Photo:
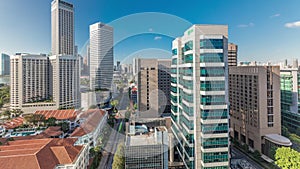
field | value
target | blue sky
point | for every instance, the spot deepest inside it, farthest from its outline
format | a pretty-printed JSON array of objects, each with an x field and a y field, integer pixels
[{"x": 264, "y": 30}]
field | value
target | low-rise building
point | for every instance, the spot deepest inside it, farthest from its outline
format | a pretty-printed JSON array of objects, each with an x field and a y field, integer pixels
[
  {"x": 93, "y": 121},
  {"x": 68, "y": 116},
  {"x": 44, "y": 154},
  {"x": 148, "y": 150}
]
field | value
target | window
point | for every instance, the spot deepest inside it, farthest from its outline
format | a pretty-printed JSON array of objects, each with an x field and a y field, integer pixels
[
  {"x": 212, "y": 71},
  {"x": 211, "y": 57},
  {"x": 174, "y": 52},
  {"x": 211, "y": 43},
  {"x": 188, "y": 46}
]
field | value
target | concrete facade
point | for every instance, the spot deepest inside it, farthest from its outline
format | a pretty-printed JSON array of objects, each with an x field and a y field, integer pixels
[
  {"x": 254, "y": 104},
  {"x": 232, "y": 54},
  {"x": 153, "y": 81},
  {"x": 101, "y": 57},
  {"x": 62, "y": 28}
]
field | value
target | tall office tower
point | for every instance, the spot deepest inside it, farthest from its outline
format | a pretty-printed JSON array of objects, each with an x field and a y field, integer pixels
[
  {"x": 232, "y": 54},
  {"x": 199, "y": 96},
  {"x": 65, "y": 76},
  {"x": 290, "y": 96},
  {"x": 4, "y": 64},
  {"x": 135, "y": 66},
  {"x": 101, "y": 56},
  {"x": 118, "y": 65},
  {"x": 255, "y": 107},
  {"x": 30, "y": 83},
  {"x": 62, "y": 25},
  {"x": 153, "y": 82},
  {"x": 148, "y": 150}
]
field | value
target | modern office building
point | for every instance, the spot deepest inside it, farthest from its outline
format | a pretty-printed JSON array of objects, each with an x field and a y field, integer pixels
[
  {"x": 232, "y": 54},
  {"x": 65, "y": 78},
  {"x": 4, "y": 64},
  {"x": 30, "y": 83},
  {"x": 101, "y": 56},
  {"x": 153, "y": 83},
  {"x": 290, "y": 98},
  {"x": 149, "y": 150},
  {"x": 255, "y": 106},
  {"x": 62, "y": 28},
  {"x": 199, "y": 97},
  {"x": 39, "y": 81}
]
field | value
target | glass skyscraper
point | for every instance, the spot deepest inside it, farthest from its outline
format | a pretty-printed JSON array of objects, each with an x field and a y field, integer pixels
[
  {"x": 4, "y": 64},
  {"x": 199, "y": 97},
  {"x": 290, "y": 96}
]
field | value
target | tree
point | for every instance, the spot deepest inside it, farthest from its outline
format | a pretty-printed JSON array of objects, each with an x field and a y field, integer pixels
[
  {"x": 256, "y": 154},
  {"x": 119, "y": 158},
  {"x": 287, "y": 158},
  {"x": 51, "y": 121},
  {"x": 35, "y": 119},
  {"x": 135, "y": 106},
  {"x": 127, "y": 115},
  {"x": 285, "y": 132},
  {"x": 7, "y": 113},
  {"x": 114, "y": 103},
  {"x": 65, "y": 127}
]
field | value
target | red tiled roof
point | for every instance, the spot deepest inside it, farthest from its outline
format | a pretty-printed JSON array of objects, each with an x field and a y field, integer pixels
[
  {"x": 38, "y": 153},
  {"x": 93, "y": 118},
  {"x": 15, "y": 122},
  {"x": 59, "y": 114},
  {"x": 52, "y": 131}
]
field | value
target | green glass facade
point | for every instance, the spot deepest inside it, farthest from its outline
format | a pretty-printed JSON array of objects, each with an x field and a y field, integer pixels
[{"x": 289, "y": 97}]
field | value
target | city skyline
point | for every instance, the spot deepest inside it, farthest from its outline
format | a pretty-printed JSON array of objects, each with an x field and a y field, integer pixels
[{"x": 280, "y": 22}]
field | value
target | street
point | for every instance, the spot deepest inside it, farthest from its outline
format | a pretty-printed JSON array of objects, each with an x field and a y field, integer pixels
[
  {"x": 237, "y": 156},
  {"x": 115, "y": 137}
]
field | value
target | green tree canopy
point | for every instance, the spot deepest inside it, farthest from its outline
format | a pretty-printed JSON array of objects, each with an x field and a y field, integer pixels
[
  {"x": 51, "y": 121},
  {"x": 287, "y": 158},
  {"x": 119, "y": 158}
]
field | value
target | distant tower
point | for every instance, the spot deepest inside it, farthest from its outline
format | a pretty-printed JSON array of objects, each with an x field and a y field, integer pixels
[
  {"x": 62, "y": 22},
  {"x": 232, "y": 54},
  {"x": 101, "y": 56}
]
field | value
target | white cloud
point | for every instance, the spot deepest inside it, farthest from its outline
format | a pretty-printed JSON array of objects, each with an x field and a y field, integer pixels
[
  {"x": 275, "y": 15},
  {"x": 157, "y": 38},
  {"x": 293, "y": 24},
  {"x": 246, "y": 25}
]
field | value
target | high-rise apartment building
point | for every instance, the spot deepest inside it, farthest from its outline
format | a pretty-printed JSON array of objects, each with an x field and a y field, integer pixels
[
  {"x": 65, "y": 75},
  {"x": 42, "y": 81},
  {"x": 232, "y": 54},
  {"x": 62, "y": 22},
  {"x": 290, "y": 96},
  {"x": 199, "y": 97},
  {"x": 4, "y": 64},
  {"x": 30, "y": 83},
  {"x": 153, "y": 81},
  {"x": 255, "y": 107},
  {"x": 101, "y": 59}
]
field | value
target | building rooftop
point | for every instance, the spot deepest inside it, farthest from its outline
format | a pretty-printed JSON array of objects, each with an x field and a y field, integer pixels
[
  {"x": 38, "y": 153},
  {"x": 150, "y": 138},
  {"x": 59, "y": 114},
  {"x": 278, "y": 139},
  {"x": 92, "y": 118},
  {"x": 15, "y": 122}
]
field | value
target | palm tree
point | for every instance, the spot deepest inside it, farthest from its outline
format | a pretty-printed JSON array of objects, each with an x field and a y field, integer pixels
[{"x": 114, "y": 103}]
